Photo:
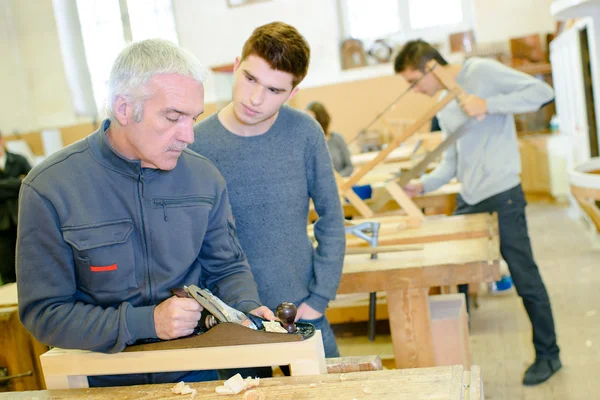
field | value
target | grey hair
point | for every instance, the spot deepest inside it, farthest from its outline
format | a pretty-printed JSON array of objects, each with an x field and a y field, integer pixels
[{"x": 138, "y": 63}]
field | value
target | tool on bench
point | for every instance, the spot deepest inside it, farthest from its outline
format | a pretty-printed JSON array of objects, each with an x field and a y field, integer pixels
[
  {"x": 222, "y": 325},
  {"x": 215, "y": 311}
]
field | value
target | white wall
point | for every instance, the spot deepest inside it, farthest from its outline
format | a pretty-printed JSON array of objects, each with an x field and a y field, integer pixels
[
  {"x": 34, "y": 88},
  {"x": 35, "y": 94},
  {"x": 216, "y": 33},
  {"x": 497, "y": 20}
]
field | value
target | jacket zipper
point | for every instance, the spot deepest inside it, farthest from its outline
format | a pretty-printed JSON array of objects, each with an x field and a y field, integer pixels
[
  {"x": 141, "y": 196},
  {"x": 164, "y": 203}
]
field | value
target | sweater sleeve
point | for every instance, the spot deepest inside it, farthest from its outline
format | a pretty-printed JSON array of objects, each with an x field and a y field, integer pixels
[
  {"x": 329, "y": 231},
  {"x": 517, "y": 92}
]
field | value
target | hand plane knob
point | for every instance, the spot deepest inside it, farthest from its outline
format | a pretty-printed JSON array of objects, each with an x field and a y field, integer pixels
[{"x": 286, "y": 312}]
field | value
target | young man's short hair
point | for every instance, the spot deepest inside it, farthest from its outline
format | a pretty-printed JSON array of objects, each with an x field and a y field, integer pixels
[
  {"x": 282, "y": 46},
  {"x": 415, "y": 55}
]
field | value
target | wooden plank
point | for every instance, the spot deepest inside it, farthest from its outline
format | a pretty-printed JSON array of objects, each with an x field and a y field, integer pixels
[
  {"x": 410, "y": 327},
  {"x": 397, "y": 384},
  {"x": 475, "y": 384},
  {"x": 405, "y": 202},
  {"x": 343, "y": 365},
  {"x": 450, "y": 330},
  {"x": 456, "y": 385},
  {"x": 438, "y": 264},
  {"x": 433, "y": 229},
  {"x": 304, "y": 357},
  {"x": 383, "y": 249}
]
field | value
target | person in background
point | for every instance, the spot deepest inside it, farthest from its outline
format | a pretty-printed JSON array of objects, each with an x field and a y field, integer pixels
[
  {"x": 486, "y": 161},
  {"x": 275, "y": 160},
  {"x": 338, "y": 149},
  {"x": 109, "y": 225},
  {"x": 13, "y": 168}
]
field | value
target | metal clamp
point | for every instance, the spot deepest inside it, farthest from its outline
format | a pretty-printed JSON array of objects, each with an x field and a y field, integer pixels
[{"x": 368, "y": 231}]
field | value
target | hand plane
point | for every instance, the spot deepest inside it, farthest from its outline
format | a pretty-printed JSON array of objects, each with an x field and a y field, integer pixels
[{"x": 222, "y": 325}]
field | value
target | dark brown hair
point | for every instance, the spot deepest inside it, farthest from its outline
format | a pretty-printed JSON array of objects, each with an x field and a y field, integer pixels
[
  {"x": 282, "y": 46},
  {"x": 415, "y": 54},
  {"x": 321, "y": 114}
]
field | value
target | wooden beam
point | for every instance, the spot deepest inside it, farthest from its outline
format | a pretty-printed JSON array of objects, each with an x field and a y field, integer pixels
[{"x": 68, "y": 368}]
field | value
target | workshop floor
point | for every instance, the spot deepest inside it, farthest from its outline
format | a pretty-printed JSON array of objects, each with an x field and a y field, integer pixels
[{"x": 501, "y": 333}]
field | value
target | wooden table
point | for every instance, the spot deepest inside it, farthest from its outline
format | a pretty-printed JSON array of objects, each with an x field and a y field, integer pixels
[
  {"x": 19, "y": 351},
  {"x": 442, "y": 383},
  {"x": 407, "y": 276},
  {"x": 393, "y": 230}
]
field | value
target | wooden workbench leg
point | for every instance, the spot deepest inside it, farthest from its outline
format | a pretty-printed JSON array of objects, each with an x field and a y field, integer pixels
[
  {"x": 66, "y": 381},
  {"x": 313, "y": 360},
  {"x": 410, "y": 328}
]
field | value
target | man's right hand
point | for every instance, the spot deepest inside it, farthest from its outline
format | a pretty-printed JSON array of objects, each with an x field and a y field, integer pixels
[
  {"x": 414, "y": 189},
  {"x": 176, "y": 317}
]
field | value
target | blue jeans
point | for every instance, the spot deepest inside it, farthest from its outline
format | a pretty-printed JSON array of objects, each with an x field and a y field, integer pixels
[
  {"x": 515, "y": 248},
  {"x": 329, "y": 344},
  {"x": 145, "y": 379}
]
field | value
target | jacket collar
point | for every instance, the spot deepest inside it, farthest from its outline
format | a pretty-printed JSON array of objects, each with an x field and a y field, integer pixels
[{"x": 106, "y": 155}]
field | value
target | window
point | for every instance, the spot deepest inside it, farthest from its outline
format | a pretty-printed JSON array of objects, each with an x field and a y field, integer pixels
[
  {"x": 369, "y": 21},
  {"x": 152, "y": 19},
  {"x": 107, "y": 25},
  {"x": 402, "y": 20},
  {"x": 102, "y": 33},
  {"x": 447, "y": 12}
]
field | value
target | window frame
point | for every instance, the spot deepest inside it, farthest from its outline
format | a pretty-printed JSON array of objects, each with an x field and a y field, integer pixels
[{"x": 406, "y": 33}]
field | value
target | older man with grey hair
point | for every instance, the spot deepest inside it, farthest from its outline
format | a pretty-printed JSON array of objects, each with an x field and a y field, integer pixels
[{"x": 110, "y": 224}]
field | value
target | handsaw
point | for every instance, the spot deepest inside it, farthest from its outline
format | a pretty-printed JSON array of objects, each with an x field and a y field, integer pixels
[{"x": 402, "y": 178}]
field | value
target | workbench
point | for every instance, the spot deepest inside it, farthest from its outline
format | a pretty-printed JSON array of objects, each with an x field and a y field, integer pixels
[
  {"x": 19, "y": 351},
  {"x": 442, "y": 383},
  {"x": 407, "y": 276}
]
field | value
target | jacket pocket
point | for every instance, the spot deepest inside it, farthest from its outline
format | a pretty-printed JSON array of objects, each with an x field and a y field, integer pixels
[
  {"x": 177, "y": 202},
  {"x": 233, "y": 238},
  {"x": 104, "y": 255}
]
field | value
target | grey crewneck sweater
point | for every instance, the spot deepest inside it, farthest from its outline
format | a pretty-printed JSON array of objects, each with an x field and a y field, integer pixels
[
  {"x": 271, "y": 178},
  {"x": 487, "y": 160}
]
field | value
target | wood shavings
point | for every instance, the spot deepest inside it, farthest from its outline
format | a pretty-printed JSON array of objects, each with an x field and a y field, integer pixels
[
  {"x": 313, "y": 385},
  {"x": 366, "y": 390},
  {"x": 274, "y": 326},
  {"x": 236, "y": 384},
  {"x": 254, "y": 395},
  {"x": 343, "y": 377},
  {"x": 182, "y": 388}
]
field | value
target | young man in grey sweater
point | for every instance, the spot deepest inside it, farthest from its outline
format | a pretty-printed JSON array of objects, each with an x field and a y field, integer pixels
[
  {"x": 275, "y": 160},
  {"x": 486, "y": 161}
]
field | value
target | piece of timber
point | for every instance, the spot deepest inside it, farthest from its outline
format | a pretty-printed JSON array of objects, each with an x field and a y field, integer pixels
[
  {"x": 223, "y": 334},
  {"x": 343, "y": 365},
  {"x": 438, "y": 264},
  {"x": 440, "y": 383},
  {"x": 65, "y": 368},
  {"x": 393, "y": 230},
  {"x": 382, "y": 249}
]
